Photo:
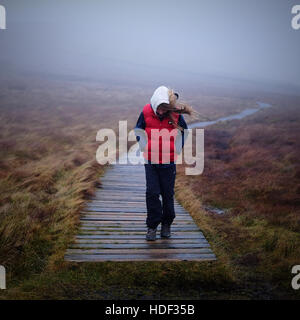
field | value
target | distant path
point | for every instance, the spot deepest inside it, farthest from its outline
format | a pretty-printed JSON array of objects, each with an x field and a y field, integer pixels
[
  {"x": 241, "y": 115},
  {"x": 113, "y": 225}
]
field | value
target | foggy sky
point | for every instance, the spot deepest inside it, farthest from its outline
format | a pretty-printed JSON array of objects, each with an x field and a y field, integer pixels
[{"x": 235, "y": 38}]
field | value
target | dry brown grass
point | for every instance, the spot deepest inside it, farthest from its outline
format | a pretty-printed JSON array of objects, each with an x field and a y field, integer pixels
[
  {"x": 47, "y": 162},
  {"x": 252, "y": 168},
  {"x": 48, "y": 169}
]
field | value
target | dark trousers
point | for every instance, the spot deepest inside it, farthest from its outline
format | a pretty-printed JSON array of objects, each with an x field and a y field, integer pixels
[{"x": 160, "y": 179}]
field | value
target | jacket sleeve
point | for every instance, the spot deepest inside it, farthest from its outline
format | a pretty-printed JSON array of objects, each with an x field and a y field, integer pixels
[
  {"x": 180, "y": 139},
  {"x": 139, "y": 130}
]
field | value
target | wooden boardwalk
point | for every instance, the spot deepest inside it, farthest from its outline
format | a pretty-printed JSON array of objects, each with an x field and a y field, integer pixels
[{"x": 113, "y": 225}]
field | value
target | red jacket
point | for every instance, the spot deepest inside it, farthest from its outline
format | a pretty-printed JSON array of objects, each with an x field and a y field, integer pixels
[{"x": 160, "y": 147}]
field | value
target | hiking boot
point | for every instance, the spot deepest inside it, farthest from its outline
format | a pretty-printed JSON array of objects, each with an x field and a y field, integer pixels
[
  {"x": 151, "y": 234},
  {"x": 165, "y": 231}
]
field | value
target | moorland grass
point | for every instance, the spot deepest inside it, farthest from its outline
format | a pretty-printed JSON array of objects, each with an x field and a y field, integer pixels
[{"x": 48, "y": 171}]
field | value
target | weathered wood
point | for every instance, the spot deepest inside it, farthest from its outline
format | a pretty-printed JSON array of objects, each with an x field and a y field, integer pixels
[
  {"x": 158, "y": 241},
  {"x": 130, "y": 223},
  {"x": 123, "y": 184},
  {"x": 120, "y": 198},
  {"x": 112, "y": 203},
  {"x": 134, "y": 232},
  {"x": 133, "y": 246},
  {"x": 112, "y": 229},
  {"x": 142, "y": 216},
  {"x": 122, "y": 208},
  {"x": 119, "y": 204},
  {"x": 142, "y": 236},
  {"x": 132, "y": 211},
  {"x": 113, "y": 225},
  {"x": 139, "y": 246},
  {"x": 126, "y": 218},
  {"x": 120, "y": 190},
  {"x": 90, "y": 217},
  {"x": 141, "y": 251},
  {"x": 140, "y": 257},
  {"x": 123, "y": 211}
]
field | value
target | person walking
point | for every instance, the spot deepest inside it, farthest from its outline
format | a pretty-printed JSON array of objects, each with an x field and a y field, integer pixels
[{"x": 160, "y": 133}]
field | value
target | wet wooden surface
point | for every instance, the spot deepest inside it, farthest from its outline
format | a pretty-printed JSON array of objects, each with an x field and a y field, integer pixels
[{"x": 113, "y": 225}]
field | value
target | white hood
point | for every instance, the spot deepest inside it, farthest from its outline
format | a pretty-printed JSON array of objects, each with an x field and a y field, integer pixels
[{"x": 160, "y": 95}]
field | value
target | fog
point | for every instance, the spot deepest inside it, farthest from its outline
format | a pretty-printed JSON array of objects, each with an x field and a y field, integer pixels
[{"x": 153, "y": 40}]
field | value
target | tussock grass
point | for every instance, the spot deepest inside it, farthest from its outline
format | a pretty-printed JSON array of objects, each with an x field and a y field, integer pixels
[
  {"x": 251, "y": 168},
  {"x": 48, "y": 170}
]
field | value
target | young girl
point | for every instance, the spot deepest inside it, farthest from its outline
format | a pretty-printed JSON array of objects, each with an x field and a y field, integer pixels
[{"x": 160, "y": 153}]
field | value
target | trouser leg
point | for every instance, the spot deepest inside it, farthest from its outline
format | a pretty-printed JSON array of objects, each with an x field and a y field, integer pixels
[
  {"x": 167, "y": 183},
  {"x": 153, "y": 203}
]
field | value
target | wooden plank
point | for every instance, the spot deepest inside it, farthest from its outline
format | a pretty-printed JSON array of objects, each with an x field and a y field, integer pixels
[
  {"x": 140, "y": 251},
  {"x": 119, "y": 178},
  {"x": 124, "y": 217},
  {"x": 135, "y": 227},
  {"x": 130, "y": 223},
  {"x": 140, "y": 257},
  {"x": 142, "y": 226},
  {"x": 139, "y": 216},
  {"x": 197, "y": 235},
  {"x": 123, "y": 184},
  {"x": 119, "y": 197},
  {"x": 113, "y": 229},
  {"x": 120, "y": 189},
  {"x": 127, "y": 213},
  {"x": 140, "y": 202},
  {"x": 138, "y": 213},
  {"x": 119, "y": 232},
  {"x": 135, "y": 179},
  {"x": 117, "y": 206},
  {"x": 130, "y": 211},
  {"x": 134, "y": 246},
  {"x": 124, "y": 191},
  {"x": 120, "y": 208},
  {"x": 113, "y": 202},
  {"x": 121, "y": 173},
  {"x": 124, "y": 172},
  {"x": 158, "y": 241},
  {"x": 120, "y": 205},
  {"x": 117, "y": 190}
]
